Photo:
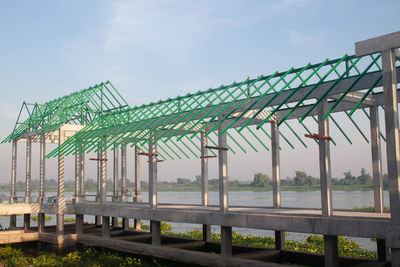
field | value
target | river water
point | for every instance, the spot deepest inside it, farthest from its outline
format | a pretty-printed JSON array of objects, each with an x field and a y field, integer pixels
[{"x": 293, "y": 199}]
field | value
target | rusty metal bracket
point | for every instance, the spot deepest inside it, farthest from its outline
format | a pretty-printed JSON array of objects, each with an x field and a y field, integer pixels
[
  {"x": 207, "y": 157},
  {"x": 318, "y": 136},
  {"x": 217, "y": 148}
]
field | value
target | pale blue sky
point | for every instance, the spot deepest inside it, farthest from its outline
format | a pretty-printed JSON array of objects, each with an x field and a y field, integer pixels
[{"x": 157, "y": 49}]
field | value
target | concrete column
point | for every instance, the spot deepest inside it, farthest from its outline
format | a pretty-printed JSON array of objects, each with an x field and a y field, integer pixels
[
  {"x": 28, "y": 170},
  {"x": 155, "y": 228},
  {"x": 204, "y": 183},
  {"x": 376, "y": 159},
  {"x": 330, "y": 242},
  {"x": 138, "y": 195},
  {"x": 105, "y": 227},
  {"x": 27, "y": 222},
  {"x": 103, "y": 176},
  {"x": 41, "y": 222},
  {"x": 13, "y": 218},
  {"x": 125, "y": 221},
  {"x": 222, "y": 168},
  {"x": 276, "y": 181},
  {"x": 98, "y": 194},
  {"x": 60, "y": 195},
  {"x": 42, "y": 167},
  {"x": 152, "y": 174},
  {"x": 115, "y": 183},
  {"x": 79, "y": 224},
  {"x": 82, "y": 174},
  {"x": 77, "y": 176},
  {"x": 392, "y": 140},
  {"x": 226, "y": 241}
]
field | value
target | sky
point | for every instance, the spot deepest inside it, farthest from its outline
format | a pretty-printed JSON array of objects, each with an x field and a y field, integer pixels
[{"x": 153, "y": 50}]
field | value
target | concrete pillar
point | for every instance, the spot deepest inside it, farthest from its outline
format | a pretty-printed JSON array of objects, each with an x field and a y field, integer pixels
[
  {"x": 42, "y": 167},
  {"x": 105, "y": 227},
  {"x": 204, "y": 183},
  {"x": 226, "y": 241},
  {"x": 152, "y": 174},
  {"x": 392, "y": 140},
  {"x": 28, "y": 170},
  {"x": 98, "y": 194},
  {"x": 330, "y": 242},
  {"x": 79, "y": 224},
  {"x": 222, "y": 168},
  {"x": 82, "y": 174},
  {"x": 115, "y": 183},
  {"x": 155, "y": 228},
  {"x": 138, "y": 193},
  {"x": 276, "y": 181},
  {"x": 13, "y": 218},
  {"x": 125, "y": 221},
  {"x": 60, "y": 195},
  {"x": 376, "y": 159},
  {"x": 103, "y": 176},
  {"x": 41, "y": 222},
  {"x": 77, "y": 176},
  {"x": 27, "y": 222}
]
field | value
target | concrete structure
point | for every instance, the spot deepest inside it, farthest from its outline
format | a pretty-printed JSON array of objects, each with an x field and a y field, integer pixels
[{"x": 344, "y": 94}]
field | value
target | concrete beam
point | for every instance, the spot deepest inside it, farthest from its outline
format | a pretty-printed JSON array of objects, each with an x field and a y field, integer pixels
[{"x": 378, "y": 44}]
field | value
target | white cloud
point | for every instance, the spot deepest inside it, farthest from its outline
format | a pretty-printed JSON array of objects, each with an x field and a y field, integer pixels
[{"x": 298, "y": 38}]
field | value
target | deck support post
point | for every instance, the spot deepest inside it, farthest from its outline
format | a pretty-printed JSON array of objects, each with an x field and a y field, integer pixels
[
  {"x": 103, "y": 176},
  {"x": 376, "y": 159},
  {"x": 226, "y": 241},
  {"x": 152, "y": 174},
  {"x": 392, "y": 140},
  {"x": 138, "y": 196},
  {"x": 115, "y": 183},
  {"x": 204, "y": 183},
  {"x": 105, "y": 227},
  {"x": 60, "y": 195},
  {"x": 155, "y": 229},
  {"x": 276, "y": 181},
  {"x": 222, "y": 168},
  {"x": 125, "y": 221},
  {"x": 13, "y": 218},
  {"x": 41, "y": 222},
  {"x": 82, "y": 174},
  {"x": 79, "y": 224},
  {"x": 330, "y": 241},
  {"x": 27, "y": 217},
  {"x": 97, "y": 220},
  {"x": 77, "y": 176}
]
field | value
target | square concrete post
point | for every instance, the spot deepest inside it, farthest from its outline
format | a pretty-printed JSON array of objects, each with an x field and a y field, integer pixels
[
  {"x": 28, "y": 189},
  {"x": 155, "y": 228},
  {"x": 27, "y": 222},
  {"x": 103, "y": 176},
  {"x": 60, "y": 195},
  {"x": 98, "y": 193},
  {"x": 226, "y": 241},
  {"x": 138, "y": 195},
  {"x": 77, "y": 177},
  {"x": 79, "y": 224},
  {"x": 13, "y": 218},
  {"x": 115, "y": 183},
  {"x": 222, "y": 168},
  {"x": 105, "y": 227},
  {"x": 276, "y": 181},
  {"x": 42, "y": 167},
  {"x": 330, "y": 242},
  {"x": 152, "y": 174},
  {"x": 28, "y": 170},
  {"x": 41, "y": 222},
  {"x": 82, "y": 174},
  {"x": 204, "y": 183},
  {"x": 376, "y": 159},
  {"x": 392, "y": 140},
  {"x": 125, "y": 221},
  {"x": 382, "y": 250}
]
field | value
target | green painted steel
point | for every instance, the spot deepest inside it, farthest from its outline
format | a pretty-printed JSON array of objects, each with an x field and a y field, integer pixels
[{"x": 173, "y": 123}]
